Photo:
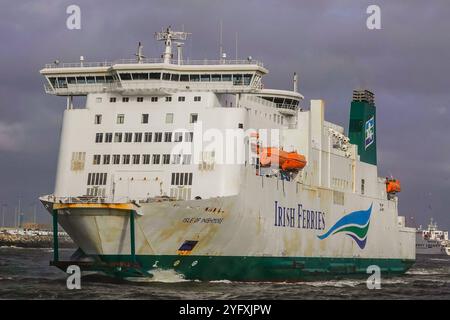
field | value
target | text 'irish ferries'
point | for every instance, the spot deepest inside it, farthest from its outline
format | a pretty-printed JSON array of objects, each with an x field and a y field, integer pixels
[{"x": 297, "y": 217}]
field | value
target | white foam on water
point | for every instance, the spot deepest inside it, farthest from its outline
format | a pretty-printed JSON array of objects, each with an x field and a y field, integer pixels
[
  {"x": 160, "y": 275},
  {"x": 334, "y": 283},
  {"x": 422, "y": 272},
  {"x": 221, "y": 281}
]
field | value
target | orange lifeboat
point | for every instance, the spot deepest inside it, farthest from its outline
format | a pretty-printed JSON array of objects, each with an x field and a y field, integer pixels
[
  {"x": 393, "y": 185},
  {"x": 288, "y": 161}
]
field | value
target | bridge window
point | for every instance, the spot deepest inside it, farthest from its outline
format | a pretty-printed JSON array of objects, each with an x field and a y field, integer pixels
[
  {"x": 140, "y": 76},
  {"x": 109, "y": 79},
  {"x": 215, "y": 77},
  {"x": 99, "y": 79},
  {"x": 90, "y": 79},
  {"x": 156, "y": 76},
  {"x": 226, "y": 77},
  {"x": 125, "y": 76},
  {"x": 184, "y": 77},
  {"x": 166, "y": 76},
  {"x": 81, "y": 80},
  {"x": 194, "y": 77},
  {"x": 175, "y": 77},
  {"x": 247, "y": 79},
  {"x": 205, "y": 77},
  {"x": 237, "y": 79},
  {"x": 71, "y": 80}
]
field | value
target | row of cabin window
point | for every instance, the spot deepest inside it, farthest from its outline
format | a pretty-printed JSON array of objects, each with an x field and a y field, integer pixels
[
  {"x": 237, "y": 79},
  {"x": 96, "y": 179},
  {"x": 144, "y": 137},
  {"x": 181, "y": 179},
  {"x": 184, "y": 159},
  {"x": 152, "y": 99},
  {"x": 193, "y": 118}
]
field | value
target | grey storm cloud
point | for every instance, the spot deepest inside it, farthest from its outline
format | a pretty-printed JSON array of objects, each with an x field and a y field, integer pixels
[{"x": 405, "y": 63}]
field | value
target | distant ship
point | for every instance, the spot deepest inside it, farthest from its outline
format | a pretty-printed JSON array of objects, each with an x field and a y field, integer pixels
[
  {"x": 432, "y": 240},
  {"x": 139, "y": 189}
]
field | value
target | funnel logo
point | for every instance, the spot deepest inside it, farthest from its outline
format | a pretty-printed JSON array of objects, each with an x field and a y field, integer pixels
[
  {"x": 354, "y": 224},
  {"x": 369, "y": 129}
]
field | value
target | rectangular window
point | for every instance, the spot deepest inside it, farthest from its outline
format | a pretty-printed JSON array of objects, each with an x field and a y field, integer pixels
[
  {"x": 181, "y": 99},
  {"x": 99, "y": 137},
  {"x": 106, "y": 159},
  {"x": 96, "y": 159},
  {"x": 168, "y": 99},
  {"x": 187, "y": 159},
  {"x": 116, "y": 158},
  {"x": 169, "y": 117},
  {"x": 126, "y": 159},
  {"x": 144, "y": 118},
  {"x": 194, "y": 77},
  {"x": 158, "y": 136},
  {"x": 156, "y": 158},
  {"x": 155, "y": 76},
  {"x": 166, "y": 76},
  {"x": 176, "y": 159},
  {"x": 145, "y": 159},
  {"x": 197, "y": 98},
  {"x": 167, "y": 136},
  {"x": 188, "y": 136},
  {"x": 136, "y": 158},
  {"x": 108, "y": 137},
  {"x": 120, "y": 118},
  {"x": 205, "y": 77},
  {"x": 98, "y": 100},
  {"x": 125, "y": 99},
  {"x": 184, "y": 77},
  {"x": 175, "y": 77},
  {"x": 128, "y": 136},
  {"x": 226, "y": 77},
  {"x": 118, "y": 137},
  {"x": 140, "y": 99},
  {"x": 362, "y": 186},
  {"x": 98, "y": 119},
  {"x": 148, "y": 137},
  {"x": 193, "y": 118},
  {"x": 215, "y": 77},
  {"x": 181, "y": 179},
  {"x": 112, "y": 99},
  {"x": 166, "y": 159},
  {"x": 178, "y": 136},
  {"x": 154, "y": 99},
  {"x": 138, "y": 137}
]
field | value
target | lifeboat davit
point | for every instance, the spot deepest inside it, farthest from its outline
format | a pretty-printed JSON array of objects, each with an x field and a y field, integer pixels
[
  {"x": 287, "y": 161},
  {"x": 393, "y": 185}
]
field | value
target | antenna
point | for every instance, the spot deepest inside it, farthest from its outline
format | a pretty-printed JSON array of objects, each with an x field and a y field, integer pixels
[
  {"x": 295, "y": 82},
  {"x": 167, "y": 36},
  {"x": 139, "y": 54},
  {"x": 179, "y": 52},
  {"x": 220, "y": 41},
  {"x": 236, "y": 48}
]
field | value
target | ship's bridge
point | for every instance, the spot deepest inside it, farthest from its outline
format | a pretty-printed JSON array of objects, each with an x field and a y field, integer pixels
[
  {"x": 160, "y": 76},
  {"x": 288, "y": 102},
  {"x": 153, "y": 76}
]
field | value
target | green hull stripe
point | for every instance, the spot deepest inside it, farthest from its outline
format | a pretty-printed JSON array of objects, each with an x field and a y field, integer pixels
[
  {"x": 251, "y": 268},
  {"x": 360, "y": 232}
]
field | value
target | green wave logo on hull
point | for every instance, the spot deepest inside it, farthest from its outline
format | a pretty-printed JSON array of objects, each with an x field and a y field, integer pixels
[{"x": 355, "y": 225}]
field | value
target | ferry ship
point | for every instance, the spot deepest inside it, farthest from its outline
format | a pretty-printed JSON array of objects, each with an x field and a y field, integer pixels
[
  {"x": 143, "y": 185},
  {"x": 432, "y": 240}
]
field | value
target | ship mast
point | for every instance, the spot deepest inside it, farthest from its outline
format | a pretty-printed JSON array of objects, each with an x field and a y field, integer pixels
[{"x": 167, "y": 36}]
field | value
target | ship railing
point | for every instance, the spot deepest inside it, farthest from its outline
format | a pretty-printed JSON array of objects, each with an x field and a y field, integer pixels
[
  {"x": 152, "y": 61},
  {"x": 268, "y": 103}
]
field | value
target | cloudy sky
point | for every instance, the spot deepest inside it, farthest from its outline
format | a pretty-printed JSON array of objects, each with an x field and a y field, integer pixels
[{"x": 406, "y": 64}]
